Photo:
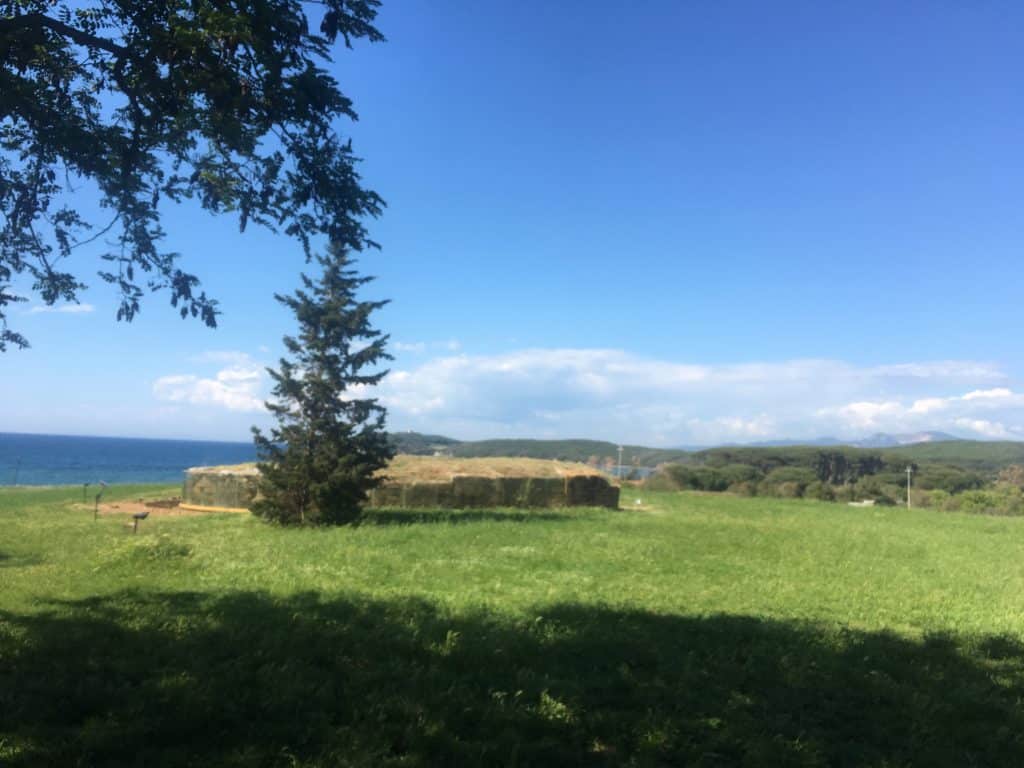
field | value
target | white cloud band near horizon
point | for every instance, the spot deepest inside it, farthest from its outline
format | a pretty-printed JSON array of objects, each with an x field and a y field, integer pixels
[
  {"x": 614, "y": 395},
  {"x": 62, "y": 309},
  {"x": 236, "y": 388}
]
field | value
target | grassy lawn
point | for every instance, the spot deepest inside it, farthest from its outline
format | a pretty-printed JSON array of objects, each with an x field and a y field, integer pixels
[{"x": 691, "y": 630}]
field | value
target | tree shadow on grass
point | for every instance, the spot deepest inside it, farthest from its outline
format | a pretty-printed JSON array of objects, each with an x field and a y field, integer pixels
[
  {"x": 457, "y": 516},
  {"x": 8, "y": 560},
  {"x": 249, "y": 679}
]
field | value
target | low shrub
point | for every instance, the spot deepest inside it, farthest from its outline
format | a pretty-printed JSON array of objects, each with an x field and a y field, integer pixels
[
  {"x": 1000, "y": 500},
  {"x": 661, "y": 481},
  {"x": 697, "y": 478},
  {"x": 743, "y": 489},
  {"x": 949, "y": 479},
  {"x": 789, "y": 490},
  {"x": 844, "y": 493},
  {"x": 820, "y": 491},
  {"x": 799, "y": 475},
  {"x": 1012, "y": 475},
  {"x": 926, "y": 499},
  {"x": 868, "y": 488},
  {"x": 739, "y": 473}
]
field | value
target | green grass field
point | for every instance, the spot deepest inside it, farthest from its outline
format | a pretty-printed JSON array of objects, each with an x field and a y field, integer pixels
[{"x": 695, "y": 630}]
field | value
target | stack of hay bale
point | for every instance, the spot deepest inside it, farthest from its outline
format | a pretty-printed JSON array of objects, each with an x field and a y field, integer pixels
[
  {"x": 421, "y": 482},
  {"x": 427, "y": 482},
  {"x": 220, "y": 489}
]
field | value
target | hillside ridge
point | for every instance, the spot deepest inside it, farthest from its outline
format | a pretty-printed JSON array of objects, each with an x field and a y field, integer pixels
[{"x": 974, "y": 455}]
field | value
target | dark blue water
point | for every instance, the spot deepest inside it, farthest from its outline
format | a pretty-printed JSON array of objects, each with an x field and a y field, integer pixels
[{"x": 63, "y": 460}]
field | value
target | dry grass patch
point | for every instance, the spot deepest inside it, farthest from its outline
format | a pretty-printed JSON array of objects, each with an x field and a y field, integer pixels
[{"x": 440, "y": 469}]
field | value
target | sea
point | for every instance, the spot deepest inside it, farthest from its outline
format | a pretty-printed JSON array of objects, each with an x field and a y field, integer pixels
[{"x": 70, "y": 460}]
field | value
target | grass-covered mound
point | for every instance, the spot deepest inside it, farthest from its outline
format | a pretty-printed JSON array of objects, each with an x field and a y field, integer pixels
[{"x": 699, "y": 630}]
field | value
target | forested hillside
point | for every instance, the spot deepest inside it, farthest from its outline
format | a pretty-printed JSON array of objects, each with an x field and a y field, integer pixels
[
  {"x": 968, "y": 454},
  {"x": 563, "y": 450}
]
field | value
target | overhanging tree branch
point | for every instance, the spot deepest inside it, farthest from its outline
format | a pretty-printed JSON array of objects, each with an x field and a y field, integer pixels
[
  {"x": 184, "y": 106},
  {"x": 39, "y": 21}
]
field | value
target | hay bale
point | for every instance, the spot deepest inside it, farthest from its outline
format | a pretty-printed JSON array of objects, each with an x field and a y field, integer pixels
[
  {"x": 476, "y": 492},
  {"x": 426, "y": 495},
  {"x": 609, "y": 497},
  {"x": 546, "y": 492},
  {"x": 514, "y": 491},
  {"x": 226, "y": 488},
  {"x": 432, "y": 484},
  {"x": 591, "y": 491},
  {"x": 389, "y": 495}
]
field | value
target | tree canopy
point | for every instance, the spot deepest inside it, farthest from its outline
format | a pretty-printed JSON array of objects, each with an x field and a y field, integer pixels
[{"x": 226, "y": 102}]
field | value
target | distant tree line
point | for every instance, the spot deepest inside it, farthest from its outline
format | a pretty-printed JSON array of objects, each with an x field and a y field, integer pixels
[
  {"x": 843, "y": 475},
  {"x": 418, "y": 444}
]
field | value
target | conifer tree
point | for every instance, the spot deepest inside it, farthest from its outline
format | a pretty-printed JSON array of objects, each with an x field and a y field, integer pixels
[{"x": 319, "y": 462}]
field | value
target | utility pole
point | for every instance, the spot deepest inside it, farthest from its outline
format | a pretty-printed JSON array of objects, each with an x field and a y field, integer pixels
[
  {"x": 910, "y": 471},
  {"x": 620, "y": 462}
]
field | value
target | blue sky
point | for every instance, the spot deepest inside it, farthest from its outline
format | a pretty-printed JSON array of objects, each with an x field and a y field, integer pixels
[{"x": 661, "y": 222}]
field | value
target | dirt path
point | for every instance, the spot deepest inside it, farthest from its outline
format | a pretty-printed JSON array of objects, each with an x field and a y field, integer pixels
[{"x": 156, "y": 508}]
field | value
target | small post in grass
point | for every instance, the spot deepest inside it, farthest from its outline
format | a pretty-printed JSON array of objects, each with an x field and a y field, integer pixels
[
  {"x": 910, "y": 471},
  {"x": 136, "y": 518},
  {"x": 96, "y": 508}
]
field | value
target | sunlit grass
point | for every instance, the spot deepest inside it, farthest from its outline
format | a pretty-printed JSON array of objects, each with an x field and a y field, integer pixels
[{"x": 687, "y": 628}]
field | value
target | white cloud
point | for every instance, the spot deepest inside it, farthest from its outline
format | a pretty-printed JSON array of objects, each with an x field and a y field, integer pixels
[
  {"x": 979, "y": 398},
  {"x": 611, "y": 394},
  {"x": 942, "y": 369},
  {"x": 235, "y": 388},
  {"x": 614, "y": 395},
  {"x": 987, "y": 428},
  {"x": 865, "y": 415},
  {"x": 988, "y": 394},
  {"x": 937, "y": 412},
  {"x": 730, "y": 428},
  {"x": 930, "y": 404},
  {"x": 63, "y": 309},
  {"x": 417, "y": 346}
]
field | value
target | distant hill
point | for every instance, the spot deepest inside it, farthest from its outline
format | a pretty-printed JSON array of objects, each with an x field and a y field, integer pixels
[
  {"x": 877, "y": 440},
  {"x": 563, "y": 450},
  {"x": 882, "y": 440},
  {"x": 569, "y": 450},
  {"x": 418, "y": 444},
  {"x": 935, "y": 448},
  {"x": 979, "y": 456}
]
